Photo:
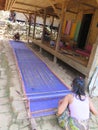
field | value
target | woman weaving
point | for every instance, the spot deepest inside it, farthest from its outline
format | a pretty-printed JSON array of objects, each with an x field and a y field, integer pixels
[{"x": 79, "y": 107}]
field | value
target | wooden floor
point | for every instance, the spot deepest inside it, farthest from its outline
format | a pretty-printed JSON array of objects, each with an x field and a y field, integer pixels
[
  {"x": 69, "y": 57},
  {"x": 76, "y": 57}
]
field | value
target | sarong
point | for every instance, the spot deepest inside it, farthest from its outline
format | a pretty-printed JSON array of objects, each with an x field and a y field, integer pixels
[{"x": 65, "y": 121}]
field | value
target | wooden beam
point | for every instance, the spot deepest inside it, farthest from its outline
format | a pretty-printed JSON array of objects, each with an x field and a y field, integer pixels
[
  {"x": 12, "y": 3},
  {"x": 49, "y": 13},
  {"x": 26, "y": 11},
  {"x": 26, "y": 16},
  {"x": 55, "y": 10},
  {"x": 89, "y": 5},
  {"x": 71, "y": 11},
  {"x": 68, "y": 10},
  {"x": 19, "y": 10},
  {"x": 22, "y": 10},
  {"x": 8, "y": 4},
  {"x": 89, "y": 11},
  {"x": 21, "y": 3}
]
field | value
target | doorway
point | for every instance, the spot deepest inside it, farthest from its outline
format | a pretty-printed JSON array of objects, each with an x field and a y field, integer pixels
[{"x": 84, "y": 29}]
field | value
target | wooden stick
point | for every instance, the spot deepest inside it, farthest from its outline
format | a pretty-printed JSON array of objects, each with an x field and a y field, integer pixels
[
  {"x": 46, "y": 110},
  {"x": 30, "y": 94}
]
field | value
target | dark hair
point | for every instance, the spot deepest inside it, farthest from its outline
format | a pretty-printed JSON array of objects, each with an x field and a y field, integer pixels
[{"x": 78, "y": 87}]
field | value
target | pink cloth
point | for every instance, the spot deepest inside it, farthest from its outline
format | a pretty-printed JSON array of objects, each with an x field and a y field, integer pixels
[
  {"x": 79, "y": 109},
  {"x": 85, "y": 52},
  {"x": 68, "y": 27}
]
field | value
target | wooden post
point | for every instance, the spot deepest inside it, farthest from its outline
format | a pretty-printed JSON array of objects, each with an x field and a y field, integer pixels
[
  {"x": 55, "y": 59},
  {"x": 64, "y": 6},
  {"x": 40, "y": 50},
  {"x": 34, "y": 25},
  {"x": 29, "y": 26},
  {"x": 44, "y": 23},
  {"x": 52, "y": 23},
  {"x": 93, "y": 61}
]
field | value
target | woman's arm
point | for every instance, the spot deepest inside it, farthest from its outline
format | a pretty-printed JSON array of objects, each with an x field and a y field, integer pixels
[
  {"x": 60, "y": 102},
  {"x": 63, "y": 105},
  {"x": 92, "y": 108}
]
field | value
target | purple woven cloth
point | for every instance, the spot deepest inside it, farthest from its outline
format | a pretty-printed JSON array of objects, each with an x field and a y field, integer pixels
[{"x": 41, "y": 86}]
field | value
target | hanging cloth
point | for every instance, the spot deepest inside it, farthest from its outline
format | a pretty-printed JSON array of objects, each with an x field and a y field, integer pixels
[
  {"x": 68, "y": 27},
  {"x": 77, "y": 31},
  {"x": 72, "y": 31},
  {"x": 64, "y": 26}
]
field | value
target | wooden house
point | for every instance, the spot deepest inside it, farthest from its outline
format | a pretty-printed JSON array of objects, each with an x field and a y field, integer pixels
[{"x": 78, "y": 28}]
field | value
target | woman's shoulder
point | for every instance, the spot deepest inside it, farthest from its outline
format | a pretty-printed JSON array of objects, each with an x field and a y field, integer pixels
[{"x": 69, "y": 97}]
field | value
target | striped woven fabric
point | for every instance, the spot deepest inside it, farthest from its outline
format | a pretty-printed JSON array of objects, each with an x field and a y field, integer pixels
[{"x": 41, "y": 87}]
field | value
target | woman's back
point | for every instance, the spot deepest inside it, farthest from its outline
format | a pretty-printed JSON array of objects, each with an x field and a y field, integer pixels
[{"x": 79, "y": 109}]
